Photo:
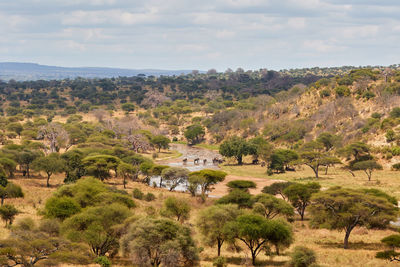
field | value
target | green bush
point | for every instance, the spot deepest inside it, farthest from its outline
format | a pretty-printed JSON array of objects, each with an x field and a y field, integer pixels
[
  {"x": 396, "y": 151},
  {"x": 149, "y": 197},
  {"x": 103, "y": 261},
  {"x": 241, "y": 184},
  {"x": 302, "y": 257},
  {"x": 61, "y": 207},
  {"x": 137, "y": 194},
  {"x": 396, "y": 167},
  {"x": 342, "y": 91},
  {"x": 395, "y": 113},
  {"x": 220, "y": 262},
  {"x": 325, "y": 93}
]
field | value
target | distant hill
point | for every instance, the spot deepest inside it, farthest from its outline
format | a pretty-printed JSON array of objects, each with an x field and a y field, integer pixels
[{"x": 32, "y": 71}]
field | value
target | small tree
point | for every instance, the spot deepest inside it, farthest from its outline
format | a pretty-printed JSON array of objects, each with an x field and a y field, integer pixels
[
  {"x": 281, "y": 158},
  {"x": 11, "y": 190},
  {"x": 128, "y": 107},
  {"x": 302, "y": 257},
  {"x": 392, "y": 242},
  {"x": 160, "y": 141},
  {"x": 344, "y": 209},
  {"x": 100, "y": 165},
  {"x": 176, "y": 207},
  {"x": 368, "y": 166},
  {"x": 299, "y": 195},
  {"x": 256, "y": 232},
  {"x": 244, "y": 185},
  {"x": 8, "y": 213},
  {"x": 73, "y": 165},
  {"x": 127, "y": 171},
  {"x": 9, "y": 165},
  {"x": 276, "y": 189},
  {"x": 175, "y": 176},
  {"x": 236, "y": 147},
  {"x": 194, "y": 134},
  {"x": 155, "y": 242},
  {"x": 315, "y": 160},
  {"x": 25, "y": 159},
  {"x": 49, "y": 164},
  {"x": 211, "y": 222},
  {"x": 270, "y": 206},
  {"x": 236, "y": 196}
]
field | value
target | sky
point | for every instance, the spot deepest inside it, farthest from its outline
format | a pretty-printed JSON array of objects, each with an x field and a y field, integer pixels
[{"x": 202, "y": 34}]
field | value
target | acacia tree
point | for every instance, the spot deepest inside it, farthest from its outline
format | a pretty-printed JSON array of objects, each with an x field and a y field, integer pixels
[
  {"x": 152, "y": 242},
  {"x": 205, "y": 179},
  {"x": 368, "y": 166},
  {"x": 8, "y": 213},
  {"x": 176, "y": 207},
  {"x": 299, "y": 195},
  {"x": 194, "y": 133},
  {"x": 211, "y": 222},
  {"x": 160, "y": 141},
  {"x": 11, "y": 190},
  {"x": 49, "y": 164},
  {"x": 344, "y": 209},
  {"x": 237, "y": 147},
  {"x": 393, "y": 243},
  {"x": 127, "y": 171},
  {"x": 256, "y": 232},
  {"x": 276, "y": 189},
  {"x": 174, "y": 176},
  {"x": 270, "y": 206},
  {"x": 100, "y": 165}
]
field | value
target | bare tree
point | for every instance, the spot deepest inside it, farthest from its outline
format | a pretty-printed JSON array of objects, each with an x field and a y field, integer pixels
[
  {"x": 100, "y": 114},
  {"x": 55, "y": 135},
  {"x": 138, "y": 142}
]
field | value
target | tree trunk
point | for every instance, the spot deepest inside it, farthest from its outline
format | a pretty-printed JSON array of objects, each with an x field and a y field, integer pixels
[
  {"x": 253, "y": 257},
  {"x": 219, "y": 247},
  {"x": 346, "y": 238},
  {"x": 316, "y": 172},
  {"x": 326, "y": 170},
  {"x": 240, "y": 160},
  {"x": 48, "y": 180},
  {"x": 124, "y": 181},
  {"x": 2, "y": 200},
  {"x": 277, "y": 249}
]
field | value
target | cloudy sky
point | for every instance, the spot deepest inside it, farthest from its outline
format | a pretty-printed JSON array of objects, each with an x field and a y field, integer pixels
[{"x": 201, "y": 34}]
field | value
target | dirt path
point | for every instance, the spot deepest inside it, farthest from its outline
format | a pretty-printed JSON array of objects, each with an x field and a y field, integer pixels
[{"x": 221, "y": 188}]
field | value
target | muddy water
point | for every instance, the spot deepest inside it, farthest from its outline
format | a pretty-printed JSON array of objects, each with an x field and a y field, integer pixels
[{"x": 190, "y": 153}]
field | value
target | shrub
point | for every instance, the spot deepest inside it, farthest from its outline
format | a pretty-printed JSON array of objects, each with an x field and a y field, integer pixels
[
  {"x": 61, "y": 207},
  {"x": 396, "y": 151},
  {"x": 137, "y": 194},
  {"x": 395, "y": 113},
  {"x": 241, "y": 184},
  {"x": 149, "y": 197},
  {"x": 103, "y": 261},
  {"x": 396, "y": 167},
  {"x": 342, "y": 91},
  {"x": 220, "y": 262},
  {"x": 325, "y": 93},
  {"x": 302, "y": 257}
]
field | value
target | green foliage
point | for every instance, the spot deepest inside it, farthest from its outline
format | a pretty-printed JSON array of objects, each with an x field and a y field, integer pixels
[
  {"x": 11, "y": 190},
  {"x": 194, "y": 134},
  {"x": 276, "y": 188},
  {"x": 49, "y": 164},
  {"x": 270, "y": 206},
  {"x": 241, "y": 184},
  {"x": 160, "y": 141},
  {"x": 302, "y": 257},
  {"x": 395, "y": 112},
  {"x": 368, "y": 166},
  {"x": 174, "y": 176},
  {"x": 237, "y": 147},
  {"x": 205, "y": 179},
  {"x": 100, "y": 165},
  {"x": 220, "y": 262},
  {"x": 128, "y": 107},
  {"x": 236, "y": 196},
  {"x": 344, "y": 209},
  {"x": 176, "y": 207},
  {"x": 74, "y": 168},
  {"x": 151, "y": 242},
  {"x": 103, "y": 261},
  {"x": 342, "y": 91},
  {"x": 137, "y": 193},
  {"x": 61, "y": 207},
  {"x": 8, "y": 213},
  {"x": 299, "y": 195},
  {"x": 149, "y": 197},
  {"x": 96, "y": 227},
  {"x": 396, "y": 166},
  {"x": 281, "y": 158},
  {"x": 211, "y": 223}
]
